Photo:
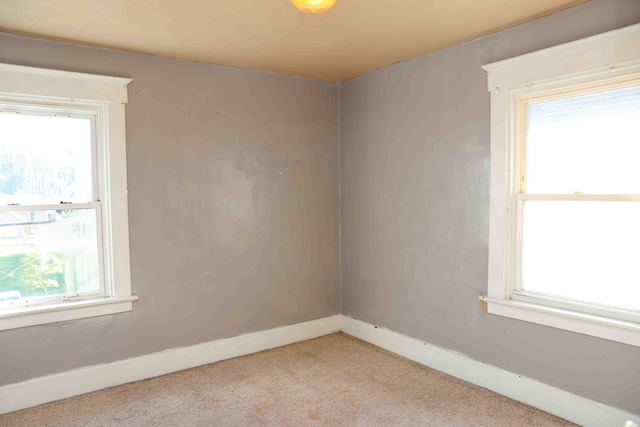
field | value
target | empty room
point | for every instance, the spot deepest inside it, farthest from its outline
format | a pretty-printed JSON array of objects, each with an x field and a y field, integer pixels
[{"x": 320, "y": 213}]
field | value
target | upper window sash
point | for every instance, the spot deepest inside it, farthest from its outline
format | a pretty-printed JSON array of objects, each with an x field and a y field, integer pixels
[
  {"x": 533, "y": 131},
  {"x": 96, "y": 143}
]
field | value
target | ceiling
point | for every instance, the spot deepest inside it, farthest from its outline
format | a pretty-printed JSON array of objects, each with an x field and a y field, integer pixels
[{"x": 354, "y": 37}]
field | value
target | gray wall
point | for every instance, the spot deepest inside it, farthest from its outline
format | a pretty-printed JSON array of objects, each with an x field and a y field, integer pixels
[
  {"x": 233, "y": 207},
  {"x": 415, "y": 210}
]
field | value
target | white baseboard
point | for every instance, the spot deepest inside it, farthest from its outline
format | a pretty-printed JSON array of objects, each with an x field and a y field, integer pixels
[
  {"x": 83, "y": 380},
  {"x": 550, "y": 399},
  {"x": 564, "y": 404}
]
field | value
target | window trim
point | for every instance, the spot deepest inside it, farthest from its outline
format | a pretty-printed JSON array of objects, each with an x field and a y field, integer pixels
[
  {"x": 612, "y": 56},
  {"x": 105, "y": 97}
]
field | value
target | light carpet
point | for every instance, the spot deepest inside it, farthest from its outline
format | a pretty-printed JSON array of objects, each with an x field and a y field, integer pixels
[{"x": 335, "y": 380}]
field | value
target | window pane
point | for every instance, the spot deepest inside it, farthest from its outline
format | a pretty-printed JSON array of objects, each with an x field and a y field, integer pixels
[
  {"x": 583, "y": 250},
  {"x": 47, "y": 253},
  {"x": 44, "y": 159},
  {"x": 588, "y": 143}
]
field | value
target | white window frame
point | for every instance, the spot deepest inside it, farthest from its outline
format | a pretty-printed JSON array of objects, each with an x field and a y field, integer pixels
[
  {"x": 612, "y": 57},
  {"x": 103, "y": 97}
]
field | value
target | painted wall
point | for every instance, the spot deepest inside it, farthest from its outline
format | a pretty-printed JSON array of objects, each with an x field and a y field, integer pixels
[
  {"x": 415, "y": 210},
  {"x": 233, "y": 206}
]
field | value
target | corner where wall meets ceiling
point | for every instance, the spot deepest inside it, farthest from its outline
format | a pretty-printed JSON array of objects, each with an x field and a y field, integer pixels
[{"x": 352, "y": 38}]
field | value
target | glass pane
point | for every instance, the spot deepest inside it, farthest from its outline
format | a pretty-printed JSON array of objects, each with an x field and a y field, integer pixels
[
  {"x": 44, "y": 159},
  {"x": 47, "y": 253},
  {"x": 583, "y": 250},
  {"x": 587, "y": 143}
]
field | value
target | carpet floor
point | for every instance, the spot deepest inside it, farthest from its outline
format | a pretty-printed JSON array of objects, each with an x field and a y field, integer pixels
[{"x": 335, "y": 380}]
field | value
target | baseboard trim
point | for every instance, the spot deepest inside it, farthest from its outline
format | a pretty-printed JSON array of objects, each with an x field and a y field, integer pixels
[
  {"x": 550, "y": 399},
  {"x": 49, "y": 388},
  {"x": 564, "y": 404}
]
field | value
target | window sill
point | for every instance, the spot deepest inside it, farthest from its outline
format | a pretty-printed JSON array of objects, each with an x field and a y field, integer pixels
[
  {"x": 60, "y": 312},
  {"x": 596, "y": 326}
]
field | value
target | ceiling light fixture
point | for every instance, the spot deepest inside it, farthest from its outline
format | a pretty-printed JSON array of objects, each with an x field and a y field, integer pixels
[{"x": 313, "y": 6}]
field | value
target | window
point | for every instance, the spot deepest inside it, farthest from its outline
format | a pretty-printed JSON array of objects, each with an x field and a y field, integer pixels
[
  {"x": 565, "y": 187},
  {"x": 64, "y": 250}
]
